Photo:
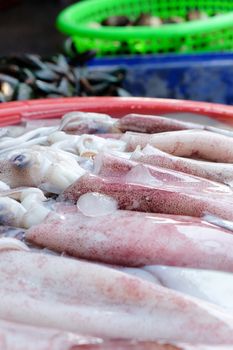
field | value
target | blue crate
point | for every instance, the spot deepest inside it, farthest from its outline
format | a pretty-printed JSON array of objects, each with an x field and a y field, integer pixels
[{"x": 203, "y": 77}]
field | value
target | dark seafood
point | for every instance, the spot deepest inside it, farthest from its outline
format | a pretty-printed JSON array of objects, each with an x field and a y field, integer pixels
[
  {"x": 147, "y": 19},
  {"x": 31, "y": 76}
]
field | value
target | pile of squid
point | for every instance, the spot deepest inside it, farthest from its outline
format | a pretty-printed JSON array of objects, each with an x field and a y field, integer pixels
[{"x": 116, "y": 234}]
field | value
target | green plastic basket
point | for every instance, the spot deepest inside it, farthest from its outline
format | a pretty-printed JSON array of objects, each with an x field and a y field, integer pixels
[{"x": 210, "y": 35}]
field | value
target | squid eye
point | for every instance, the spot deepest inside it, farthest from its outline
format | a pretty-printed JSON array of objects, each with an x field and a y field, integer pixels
[{"x": 20, "y": 161}]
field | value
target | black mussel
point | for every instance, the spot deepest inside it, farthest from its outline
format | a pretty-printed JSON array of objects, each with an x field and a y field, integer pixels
[
  {"x": 122, "y": 92},
  {"x": 55, "y": 68},
  {"x": 59, "y": 65},
  {"x": 69, "y": 48},
  {"x": 2, "y": 97},
  {"x": 65, "y": 88},
  {"x": 100, "y": 89},
  {"x": 76, "y": 82},
  {"x": 85, "y": 85},
  {"x": 31, "y": 76},
  {"x": 62, "y": 62},
  {"x": 53, "y": 95},
  {"x": 9, "y": 79},
  {"x": 24, "y": 92},
  {"x": 37, "y": 60},
  {"x": 10, "y": 69},
  {"x": 84, "y": 94},
  {"x": 81, "y": 72},
  {"x": 29, "y": 61},
  {"x": 46, "y": 74},
  {"x": 70, "y": 76},
  {"x": 99, "y": 76},
  {"x": 46, "y": 87},
  {"x": 82, "y": 58},
  {"x": 119, "y": 72},
  {"x": 77, "y": 73}
]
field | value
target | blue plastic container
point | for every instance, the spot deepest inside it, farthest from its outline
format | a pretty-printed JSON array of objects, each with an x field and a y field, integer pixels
[{"x": 204, "y": 77}]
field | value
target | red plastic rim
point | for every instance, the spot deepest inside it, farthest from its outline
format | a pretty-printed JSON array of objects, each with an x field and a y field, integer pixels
[{"x": 15, "y": 112}]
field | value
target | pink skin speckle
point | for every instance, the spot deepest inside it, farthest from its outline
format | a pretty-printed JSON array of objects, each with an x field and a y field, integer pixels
[
  {"x": 152, "y": 198},
  {"x": 108, "y": 165},
  {"x": 186, "y": 143},
  {"x": 220, "y": 172},
  {"x": 104, "y": 302},
  {"x": 152, "y": 124},
  {"x": 137, "y": 239}
]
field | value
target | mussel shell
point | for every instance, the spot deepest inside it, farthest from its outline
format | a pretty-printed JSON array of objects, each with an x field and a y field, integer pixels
[{"x": 46, "y": 74}]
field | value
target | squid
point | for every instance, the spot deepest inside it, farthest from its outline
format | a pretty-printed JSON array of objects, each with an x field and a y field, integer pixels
[
  {"x": 186, "y": 143},
  {"x": 213, "y": 286},
  {"x": 125, "y": 238},
  {"x": 84, "y": 145},
  {"x": 77, "y": 296},
  {"x": 12, "y": 231},
  {"x": 111, "y": 136},
  {"x": 52, "y": 168},
  {"x": 220, "y": 172},
  {"x": 15, "y": 336},
  {"x": 23, "y": 207},
  {"x": 81, "y": 122},
  {"x": 148, "y": 231},
  {"x": 139, "y": 190},
  {"x": 27, "y": 125},
  {"x": 118, "y": 164},
  {"x": 32, "y": 137},
  {"x": 49, "y": 169},
  {"x": 87, "y": 123},
  {"x": 47, "y": 136},
  {"x": 122, "y": 345},
  {"x": 97, "y": 123},
  {"x": 153, "y": 124},
  {"x": 97, "y": 230}
]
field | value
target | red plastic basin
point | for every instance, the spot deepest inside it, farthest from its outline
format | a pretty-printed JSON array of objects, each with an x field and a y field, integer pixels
[{"x": 16, "y": 112}]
